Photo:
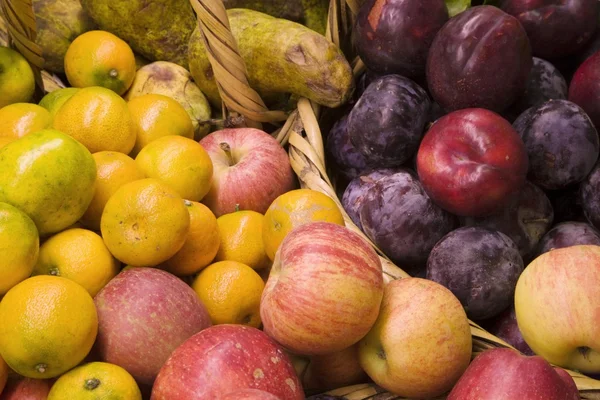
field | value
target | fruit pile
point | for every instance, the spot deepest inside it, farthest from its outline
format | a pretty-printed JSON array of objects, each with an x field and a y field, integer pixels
[{"x": 151, "y": 249}]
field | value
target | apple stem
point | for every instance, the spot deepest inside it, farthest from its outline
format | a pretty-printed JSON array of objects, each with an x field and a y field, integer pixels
[
  {"x": 92, "y": 384},
  {"x": 527, "y": 221},
  {"x": 237, "y": 207},
  {"x": 585, "y": 352},
  {"x": 227, "y": 149},
  {"x": 381, "y": 354}
]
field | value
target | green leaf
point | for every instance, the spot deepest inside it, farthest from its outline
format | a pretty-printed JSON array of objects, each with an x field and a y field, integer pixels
[{"x": 457, "y": 6}]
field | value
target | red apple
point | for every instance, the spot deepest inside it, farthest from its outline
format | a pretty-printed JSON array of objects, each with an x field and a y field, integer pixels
[
  {"x": 557, "y": 303},
  {"x": 504, "y": 374},
  {"x": 324, "y": 290},
  {"x": 584, "y": 89},
  {"x": 250, "y": 394},
  {"x": 26, "y": 389},
  {"x": 471, "y": 162},
  {"x": 143, "y": 315},
  {"x": 421, "y": 343},
  {"x": 335, "y": 370},
  {"x": 250, "y": 169},
  {"x": 222, "y": 359}
]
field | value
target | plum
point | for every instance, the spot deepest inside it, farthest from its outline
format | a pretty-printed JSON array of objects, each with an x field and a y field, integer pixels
[
  {"x": 394, "y": 36},
  {"x": 566, "y": 204},
  {"x": 399, "y": 217},
  {"x": 589, "y": 197},
  {"x": 568, "y": 234},
  {"x": 386, "y": 124},
  {"x": 480, "y": 58},
  {"x": 347, "y": 161},
  {"x": 525, "y": 220},
  {"x": 471, "y": 162},
  {"x": 561, "y": 141},
  {"x": 556, "y": 28},
  {"x": 584, "y": 89},
  {"x": 545, "y": 83},
  {"x": 506, "y": 328},
  {"x": 357, "y": 189},
  {"x": 480, "y": 266}
]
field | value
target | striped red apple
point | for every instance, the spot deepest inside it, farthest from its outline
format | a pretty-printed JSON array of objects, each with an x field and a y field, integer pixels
[{"x": 324, "y": 290}]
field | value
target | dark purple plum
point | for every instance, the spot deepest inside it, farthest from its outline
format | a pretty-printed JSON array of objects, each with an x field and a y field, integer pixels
[
  {"x": 506, "y": 328},
  {"x": 480, "y": 266},
  {"x": 346, "y": 160},
  {"x": 556, "y": 28},
  {"x": 525, "y": 219},
  {"x": 545, "y": 83},
  {"x": 394, "y": 36},
  {"x": 358, "y": 188},
  {"x": 481, "y": 58},
  {"x": 364, "y": 81},
  {"x": 566, "y": 205},
  {"x": 387, "y": 123},
  {"x": 589, "y": 197},
  {"x": 561, "y": 141},
  {"x": 584, "y": 89},
  {"x": 568, "y": 234},
  {"x": 399, "y": 217}
]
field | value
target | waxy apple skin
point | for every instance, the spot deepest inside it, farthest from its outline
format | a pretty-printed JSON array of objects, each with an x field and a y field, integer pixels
[
  {"x": 223, "y": 359},
  {"x": 557, "y": 299},
  {"x": 421, "y": 343},
  {"x": 471, "y": 162},
  {"x": 504, "y": 374},
  {"x": 259, "y": 172},
  {"x": 324, "y": 290}
]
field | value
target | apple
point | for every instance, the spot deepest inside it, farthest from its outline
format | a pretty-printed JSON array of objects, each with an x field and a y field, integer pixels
[
  {"x": 335, "y": 370},
  {"x": 557, "y": 300},
  {"x": 421, "y": 343},
  {"x": 250, "y": 170},
  {"x": 250, "y": 394},
  {"x": 471, "y": 162},
  {"x": 324, "y": 290},
  {"x": 143, "y": 315},
  {"x": 20, "y": 388},
  {"x": 222, "y": 359},
  {"x": 504, "y": 374}
]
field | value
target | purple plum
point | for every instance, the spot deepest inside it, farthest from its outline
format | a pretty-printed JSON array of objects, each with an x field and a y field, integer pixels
[
  {"x": 346, "y": 160},
  {"x": 506, "y": 328},
  {"x": 568, "y": 234},
  {"x": 589, "y": 197}
]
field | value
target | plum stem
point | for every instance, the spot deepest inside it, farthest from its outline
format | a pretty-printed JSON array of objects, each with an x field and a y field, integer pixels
[
  {"x": 227, "y": 149},
  {"x": 544, "y": 220},
  {"x": 91, "y": 384}
]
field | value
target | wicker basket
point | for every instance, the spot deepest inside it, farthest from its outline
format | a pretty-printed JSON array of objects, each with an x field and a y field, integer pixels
[{"x": 298, "y": 130}]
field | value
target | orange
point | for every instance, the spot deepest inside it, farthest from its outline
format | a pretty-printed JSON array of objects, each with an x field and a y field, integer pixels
[
  {"x": 99, "y": 119},
  {"x": 145, "y": 223},
  {"x": 17, "y": 256},
  {"x": 48, "y": 325},
  {"x": 231, "y": 293},
  {"x": 201, "y": 244},
  {"x": 154, "y": 116},
  {"x": 99, "y": 58},
  {"x": 19, "y": 119},
  {"x": 179, "y": 162},
  {"x": 6, "y": 140},
  {"x": 241, "y": 239},
  {"x": 17, "y": 83},
  {"x": 79, "y": 255},
  {"x": 54, "y": 100},
  {"x": 295, "y": 208},
  {"x": 113, "y": 170},
  {"x": 96, "y": 381}
]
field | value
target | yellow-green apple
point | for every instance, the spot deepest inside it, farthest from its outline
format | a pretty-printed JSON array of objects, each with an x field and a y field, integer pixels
[
  {"x": 332, "y": 371},
  {"x": 223, "y": 359},
  {"x": 250, "y": 170},
  {"x": 143, "y": 315},
  {"x": 504, "y": 374},
  {"x": 557, "y": 303},
  {"x": 421, "y": 343},
  {"x": 324, "y": 290}
]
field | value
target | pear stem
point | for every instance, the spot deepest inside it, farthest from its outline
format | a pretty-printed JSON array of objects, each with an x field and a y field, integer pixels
[{"x": 227, "y": 149}]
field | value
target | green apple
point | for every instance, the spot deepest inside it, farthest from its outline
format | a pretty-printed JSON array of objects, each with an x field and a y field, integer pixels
[
  {"x": 557, "y": 303},
  {"x": 17, "y": 83},
  {"x": 421, "y": 343}
]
